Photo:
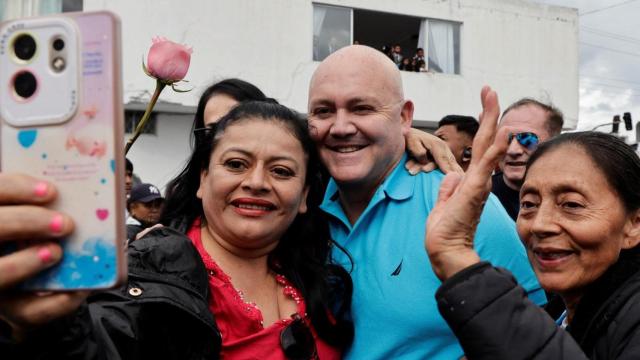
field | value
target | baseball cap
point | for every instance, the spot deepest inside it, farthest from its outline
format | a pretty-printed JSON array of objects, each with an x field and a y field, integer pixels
[{"x": 144, "y": 193}]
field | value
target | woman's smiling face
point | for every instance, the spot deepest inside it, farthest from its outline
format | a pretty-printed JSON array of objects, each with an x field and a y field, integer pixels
[
  {"x": 572, "y": 220},
  {"x": 254, "y": 186}
]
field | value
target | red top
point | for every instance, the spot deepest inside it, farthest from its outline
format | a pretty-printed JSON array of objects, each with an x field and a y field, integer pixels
[{"x": 240, "y": 322}]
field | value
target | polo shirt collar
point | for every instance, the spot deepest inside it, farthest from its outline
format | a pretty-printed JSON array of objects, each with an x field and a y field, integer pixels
[{"x": 399, "y": 185}]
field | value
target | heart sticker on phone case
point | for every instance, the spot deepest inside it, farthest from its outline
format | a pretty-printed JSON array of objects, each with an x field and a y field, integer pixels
[
  {"x": 26, "y": 138},
  {"x": 102, "y": 214}
]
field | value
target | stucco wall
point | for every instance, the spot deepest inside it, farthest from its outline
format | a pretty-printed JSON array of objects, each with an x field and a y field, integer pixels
[{"x": 519, "y": 48}]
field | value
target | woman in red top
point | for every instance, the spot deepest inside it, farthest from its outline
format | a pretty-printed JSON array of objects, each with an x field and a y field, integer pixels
[
  {"x": 257, "y": 257},
  {"x": 256, "y": 224},
  {"x": 301, "y": 281}
]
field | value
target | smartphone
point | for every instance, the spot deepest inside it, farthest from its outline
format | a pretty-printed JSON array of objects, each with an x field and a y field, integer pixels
[{"x": 61, "y": 119}]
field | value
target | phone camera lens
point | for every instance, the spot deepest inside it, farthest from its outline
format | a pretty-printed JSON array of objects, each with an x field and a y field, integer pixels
[
  {"x": 25, "y": 84},
  {"x": 24, "y": 47},
  {"x": 58, "y": 44}
]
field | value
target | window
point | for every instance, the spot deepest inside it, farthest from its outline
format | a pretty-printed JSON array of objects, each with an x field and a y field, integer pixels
[
  {"x": 13, "y": 9},
  {"x": 56, "y": 6},
  {"x": 335, "y": 27},
  {"x": 331, "y": 30},
  {"x": 444, "y": 46},
  {"x": 132, "y": 118},
  {"x": 71, "y": 5}
]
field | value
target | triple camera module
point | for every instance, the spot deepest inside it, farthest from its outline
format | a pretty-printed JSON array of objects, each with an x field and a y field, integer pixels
[{"x": 24, "y": 50}]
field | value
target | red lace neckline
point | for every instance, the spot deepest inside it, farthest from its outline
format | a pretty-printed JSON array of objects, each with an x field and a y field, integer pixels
[{"x": 215, "y": 271}]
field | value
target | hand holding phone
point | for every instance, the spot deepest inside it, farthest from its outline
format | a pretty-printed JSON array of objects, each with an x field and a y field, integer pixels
[
  {"x": 22, "y": 201},
  {"x": 61, "y": 120}
]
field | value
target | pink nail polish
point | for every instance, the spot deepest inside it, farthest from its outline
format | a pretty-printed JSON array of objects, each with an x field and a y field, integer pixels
[
  {"x": 45, "y": 255},
  {"x": 41, "y": 189},
  {"x": 56, "y": 223}
]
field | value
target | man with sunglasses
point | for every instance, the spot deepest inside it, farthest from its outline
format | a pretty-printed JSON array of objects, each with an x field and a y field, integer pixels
[{"x": 532, "y": 122}]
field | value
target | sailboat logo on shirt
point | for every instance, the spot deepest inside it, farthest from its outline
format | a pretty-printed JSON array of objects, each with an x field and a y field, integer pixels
[{"x": 396, "y": 272}]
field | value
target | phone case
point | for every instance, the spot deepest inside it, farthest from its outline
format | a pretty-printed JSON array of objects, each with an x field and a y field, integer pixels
[{"x": 82, "y": 154}]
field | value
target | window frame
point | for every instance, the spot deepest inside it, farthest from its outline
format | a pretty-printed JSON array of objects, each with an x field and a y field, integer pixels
[
  {"x": 425, "y": 44},
  {"x": 132, "y": 119}
]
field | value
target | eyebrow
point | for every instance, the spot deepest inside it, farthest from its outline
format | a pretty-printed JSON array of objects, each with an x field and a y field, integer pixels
[
  {"x": 250, "y": 154},
  {"x": 559, "y": 189},
  {"x": 350, "y": 102},
  {"x": 357, "y": 100}
]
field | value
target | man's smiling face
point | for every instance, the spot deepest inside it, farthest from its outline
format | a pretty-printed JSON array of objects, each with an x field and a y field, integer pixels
[
  {"x": 358, "y": 117},
  {"x": 526, "y": 118}
]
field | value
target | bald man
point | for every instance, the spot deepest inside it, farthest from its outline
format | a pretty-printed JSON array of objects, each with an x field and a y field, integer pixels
[{"x": 358, "y": 116}]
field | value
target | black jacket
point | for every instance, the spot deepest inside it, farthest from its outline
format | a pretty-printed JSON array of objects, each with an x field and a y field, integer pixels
[
  {"x": 493, "y": 319},
  {"x": 161, "y": 312}
]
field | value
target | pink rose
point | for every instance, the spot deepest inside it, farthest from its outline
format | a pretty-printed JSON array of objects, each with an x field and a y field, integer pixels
[{"x": 167, "y": 60}]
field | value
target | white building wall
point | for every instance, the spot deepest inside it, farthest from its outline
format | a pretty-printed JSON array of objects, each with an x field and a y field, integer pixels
[
  {"x": 517, "y": 47},
  {"x": 158, "y": 158}
]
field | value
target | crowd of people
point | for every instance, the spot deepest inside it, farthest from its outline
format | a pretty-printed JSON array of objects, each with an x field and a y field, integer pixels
[
  {"x": 415, "y": 62},
  {"x": 331, "y": 236}
]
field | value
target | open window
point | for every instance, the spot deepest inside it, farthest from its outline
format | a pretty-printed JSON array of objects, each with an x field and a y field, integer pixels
[{"x": 335, "y": 27}]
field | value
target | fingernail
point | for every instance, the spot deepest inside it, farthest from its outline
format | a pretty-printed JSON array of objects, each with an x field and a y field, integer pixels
[
  {"x": 41, "y": 189},
  {"x": 45, "y": 255},
  {"x": 413, "y": 171},
  {"x": 56, "y": 223}
]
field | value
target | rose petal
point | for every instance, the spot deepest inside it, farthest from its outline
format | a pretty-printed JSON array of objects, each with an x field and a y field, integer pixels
[{"x": 167, "y": 60}]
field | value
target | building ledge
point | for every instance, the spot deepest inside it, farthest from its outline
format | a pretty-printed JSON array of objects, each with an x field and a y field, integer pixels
[{"x": 161, "y": 107}]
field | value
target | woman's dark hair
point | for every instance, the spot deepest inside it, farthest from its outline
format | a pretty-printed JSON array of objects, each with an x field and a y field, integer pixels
[
  {"x": 302, "y": 255},
  {"x": 237, "y": 89},
  {"x": 618, "y": 161}
]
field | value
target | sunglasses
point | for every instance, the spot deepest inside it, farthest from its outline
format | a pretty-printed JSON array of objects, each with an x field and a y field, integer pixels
[
  {"x": 297, "y": 341},
  {"x": 527, "y": 139}
]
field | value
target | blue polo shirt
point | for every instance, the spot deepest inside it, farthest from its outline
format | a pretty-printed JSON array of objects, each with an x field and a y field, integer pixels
[{"x": 394, "y": 307}]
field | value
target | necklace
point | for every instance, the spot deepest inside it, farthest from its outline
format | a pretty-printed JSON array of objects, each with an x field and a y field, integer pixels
[{"x": 275, "y": 280}]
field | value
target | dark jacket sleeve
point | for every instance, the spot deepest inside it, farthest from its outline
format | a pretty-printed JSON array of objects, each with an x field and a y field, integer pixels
[
  {"x": 493, "y": 319},
  {"x": 65, "y": 338},
  {"x": 158, "y": 321},
  {"x": 623, "y": 333}
]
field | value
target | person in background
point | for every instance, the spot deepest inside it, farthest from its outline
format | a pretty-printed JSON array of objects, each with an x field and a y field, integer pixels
[
  {"x": 406, "y": 65},
  {"x": 128, "y": 176},
  {"x": 359, "y": 120},
  {"x": 420, "y": 62},
  {"x": 396, "y": 55},
  {"x": 580, "y": 223},
  {"x": 144, "y": 206},
  {"x": 531, "y": 122},
  {"x": 219, "y": 98},
  {"x": 458, "y": 132},
  {"x": 388, "y": 51}
]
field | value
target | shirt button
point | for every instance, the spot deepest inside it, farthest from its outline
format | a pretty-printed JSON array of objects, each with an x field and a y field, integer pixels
[{"x": 134, "y": 291}]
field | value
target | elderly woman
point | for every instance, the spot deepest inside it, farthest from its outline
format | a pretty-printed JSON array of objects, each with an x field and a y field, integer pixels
[
  {"x": 580, "y": 222},
  {"x": 247, "y": 277}
]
